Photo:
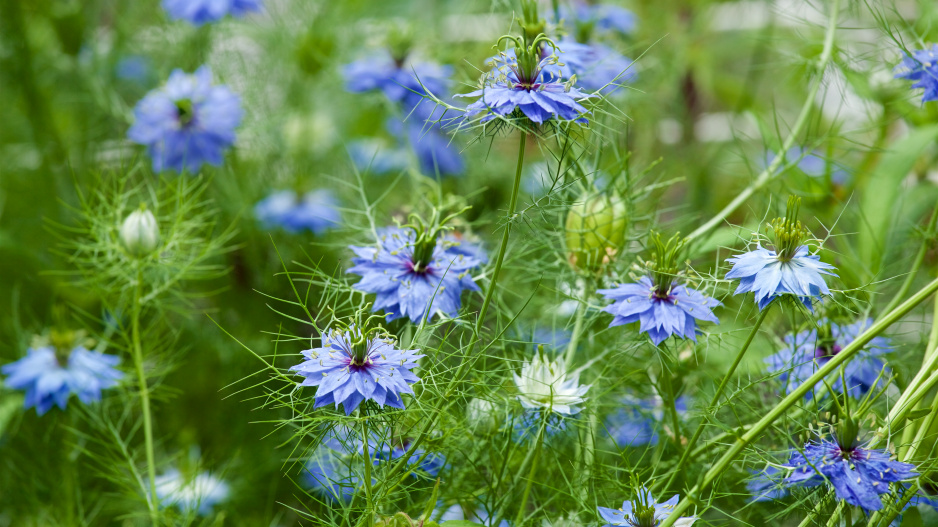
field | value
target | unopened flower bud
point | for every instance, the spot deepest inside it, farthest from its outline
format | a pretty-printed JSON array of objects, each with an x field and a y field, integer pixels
[
  {"x": 595, "y": 231},
  {"x": 140, "y": 233},
  {"x": 480, "y": 414}
]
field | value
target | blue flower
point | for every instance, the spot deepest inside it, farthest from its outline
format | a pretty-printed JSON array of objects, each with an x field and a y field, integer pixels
[
  {"x": 429, "y": 468},
  {"x": 766, "y": 485},
  {"x": 133, "y": 68},
  {"x": 317, "y": 211},
  {"x": 596, "y": 66},
  {"x": 48, "y": 379},
  {"x": 199, "y": 12},
  {"x": 603, "y": 17},
  {"x": 637, "y": 421},
  {"x": 377, "y": 157},
  {"x": 804, "y": 353},
  {"x": 921, "y": 67},
  {"x": 527, "y": 425},
  {"x": 200, "y": 493},
  {"x": 352, "y": 367},
  {"x": 434, "y": 151},
  {"x": 859, "y": 475},
  {"x": 770, "y": 276},
  {"x": 812, "y": 164},
  {"x": 400, "y": 82},
  {"x": 334, "y": 470},
  {"x": 644, "y": 511},
  {"x": 187, "y": 122},
  {"x": 540, "y": 97},
  {"x": 405, "y": 282},
  {"x": 661, "y": 315}
]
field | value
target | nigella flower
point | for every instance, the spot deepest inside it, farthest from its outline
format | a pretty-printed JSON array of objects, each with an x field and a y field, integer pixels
[
  {"x": 50, "y": 375},
  {"x": 518, "y": 86},
  {"x": 199, "y": 12},
  {"x": 636, "y": 422},
  {"x": 644, "y": 512},
  {"x": 602, "y": 17},
  {"x": 596, "y": 66},
  {"x": 413, "y": 275},
  {"x": 352, "y": 367},
  {"x": 199, "y": 493},
  {"x": 859, "y": 475},
  {"x": 317, "y": 211},
  {"x": 398, "y": 80},
  {"x": 377, "y": 156},
  {"x": 766, "y": 485},
  {"x": 805, "y": 352},
  {"x": 187, "y": 122},
  {"x": 544, "y": 385},
  {"x": 429, "y": 467},
  {"x": 334, "y": 470},
  {"x": 921, "y": 67},
  {"x": 788, "y": 269},
  {"x": 526, "y": 426}
]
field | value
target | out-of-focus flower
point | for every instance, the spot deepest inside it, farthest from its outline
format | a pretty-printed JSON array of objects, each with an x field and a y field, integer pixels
[
  {"x": 134, "y": 68},
  {"x": 766, "y": 485},
  {"x": 480, "y": 414},
  {"x": 50, "y": 376},
  {"x": 198, "y": 12},
  {"x": 402, "y": 83},
  {"x": 805, "y": 352},
  {"x": 789, "y": 269},
  {"x": 644, "y": 511},
  {"x": 199, "y": 493},
  {"x": 601, "y": 17},
  {"x": 921, "y": 67},
  {"x": 812, "y": 164},
  {"x": 637, "y": 421},
  {"x": 596, "y": 66},
  {"x": 544, "y": 385},
  {"x": 334, "y": 470},
  {"x": 352, "y": 367},
  {"x": 317, "y": 211},
  {"x": 140, "y": 233},
  {"x": 413, "y": 276},
  {"x": 187, "y": 122}
]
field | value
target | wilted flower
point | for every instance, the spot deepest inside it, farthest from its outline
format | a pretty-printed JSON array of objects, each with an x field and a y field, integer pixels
[
  {"x": 408, "y": 270},
  {"x": 807, "y": 351},
  {"x": 140, "y": 233},
  {"x": 661, "y": 306},
  {"x": 352, "y": 367},
  {"x": 200, "y": 493},
  {"x": 187, "y": 122},
  {"x": 921, "y": 67},
  {"x": 317, "y": 211},
  {"x": 789, "y": 269},
  {"x": 595, "y": 231},
  {"x": 636, "y": 422},
  {"x": 544, "y": 385},
  {"x": 644, "y": 512},
  {"x": 51, "y": 374},
  {"x": 199, "y": 12}
]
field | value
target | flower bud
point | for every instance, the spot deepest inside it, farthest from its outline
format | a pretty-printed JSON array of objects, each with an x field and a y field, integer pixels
[
  {"x": 480, "y": 414},
  {"x": 140, "y": 233},
  {"x": 595, "y": 231}
]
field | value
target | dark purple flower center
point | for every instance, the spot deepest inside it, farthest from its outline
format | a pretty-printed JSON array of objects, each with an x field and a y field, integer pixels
[
  {"x": 660, "y": 293},
  {"x": 826, "y": 351}
]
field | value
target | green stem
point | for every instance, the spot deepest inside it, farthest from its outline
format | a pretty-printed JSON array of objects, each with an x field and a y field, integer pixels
[
  {"x": 530, "y": 482},
  {"x": 578, "y": 325},
  {"x": 368, "y": 501},
  {"x": 716, "y": 396},
  {"x": 770, "y": 173},
  {"x": 144, "y": 397},
  {"x": 721, "y": 465},
  {"x": 919, "y": 258}
]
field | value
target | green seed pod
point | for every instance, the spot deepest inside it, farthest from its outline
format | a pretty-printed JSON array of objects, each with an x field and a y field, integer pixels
[{"x": 595, "y": 231}]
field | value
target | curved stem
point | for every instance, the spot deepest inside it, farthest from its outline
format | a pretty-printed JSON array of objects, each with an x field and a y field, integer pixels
[
  {"x": 770, "y": 172},
  {"x": 716, "y": 396},
  {"x": 144, "y": 397},
  {"x": 720, "y": 466}
]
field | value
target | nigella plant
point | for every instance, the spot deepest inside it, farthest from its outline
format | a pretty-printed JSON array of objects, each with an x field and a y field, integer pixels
[
  {"x": 636, "y": 422},
  {"x": 596, "y": 66},
  {"x": 921, "y": 67},
  {"x": 317, "y": 211},
  {"x": 51, "y": 373},
  {"x": 806, "y": 351},
  {"x": 187, "y": 122},
  {"x": 643, "y": 511},
  {"x": 658, "y": 301},
  {"x": 787, "y": 269},
  {"x": 402, "y": 82},
  {"x": 545, "y": 386},
  {"x": 199, "y": 493},
  {"x": 353, "y": 365},
  {"x": 414, "y": 271},
  {"x": 586, "y": 17},
  {"x": 199, "y": 12}
]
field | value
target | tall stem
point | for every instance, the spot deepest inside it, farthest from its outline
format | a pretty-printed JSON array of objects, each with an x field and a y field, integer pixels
[
  {"x": 530, "y": 482},
  {"x": 716, "y": 396},
  {"x": 368, "y": 501},
  {"x": 152, "y": 501},
  {"x": 578, "y": 325},
  {"x": 793, "y": 398}
]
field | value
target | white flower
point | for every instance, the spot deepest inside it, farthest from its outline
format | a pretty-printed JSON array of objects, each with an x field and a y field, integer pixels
[
  {"x": 197, "y": 494},
  {"x": 544, "y": 385},
  {"x": 140, "y": 233}
]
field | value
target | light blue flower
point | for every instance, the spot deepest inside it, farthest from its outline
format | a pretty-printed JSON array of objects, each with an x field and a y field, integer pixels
[
  {"x": 596, "y": 66},
  {"x": 50, "y": 380},
  {"x": 317, "y": 211},
  {"x": 766, "y": 485},
  {"x": 198, "y": 12},
  {"x": 770, "y": 276},
  {"x": 187, "y": 122},
  {"x": 644, "y": 511},
  {"x": 199, "y": 493},
  {"x": 812, "y": 164},
  {"x": 602, "y": 17},
  {"x": 921, "y": 67},
  {"x": 404, "y": 83},
  {"x": 636, "y": 422}
]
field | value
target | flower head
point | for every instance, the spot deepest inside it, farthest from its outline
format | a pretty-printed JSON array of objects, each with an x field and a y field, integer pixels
[
  {"x": 859, "y": 475},
  {"x": 644, "y": 512},
  {"x": 661, "y": 305},
  {"x": 51, "y": 374},
  {"x": 921, "y": 67},
  {"x": 637, "y": 421},
  {"x": 788, "y": 269},
  {"x": 200, "y": 493},
  {"x": 140, "y": 233},
  {"x": 544, "y": 385},
  {"x": 402, "y": 82},
  {"x": 317, "y": 211},
  {"x": 766, "y": 485},
  {"x": 807, "y": 351},
  {"x": 596, "y": 66},
  {"x": 187, "y": 122},
  {"x": 600, "y": 17},
  {"x": 334, "y": 470},
  {"x": 414, "y": 272},
  {"x": 352, "y": 366},
  {"x": 199, "y": 12}
]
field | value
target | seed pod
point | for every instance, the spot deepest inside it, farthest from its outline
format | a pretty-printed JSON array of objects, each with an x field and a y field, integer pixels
[
  {"x": 595, "y": 231},
  {"x": 140, "y": 233}
]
